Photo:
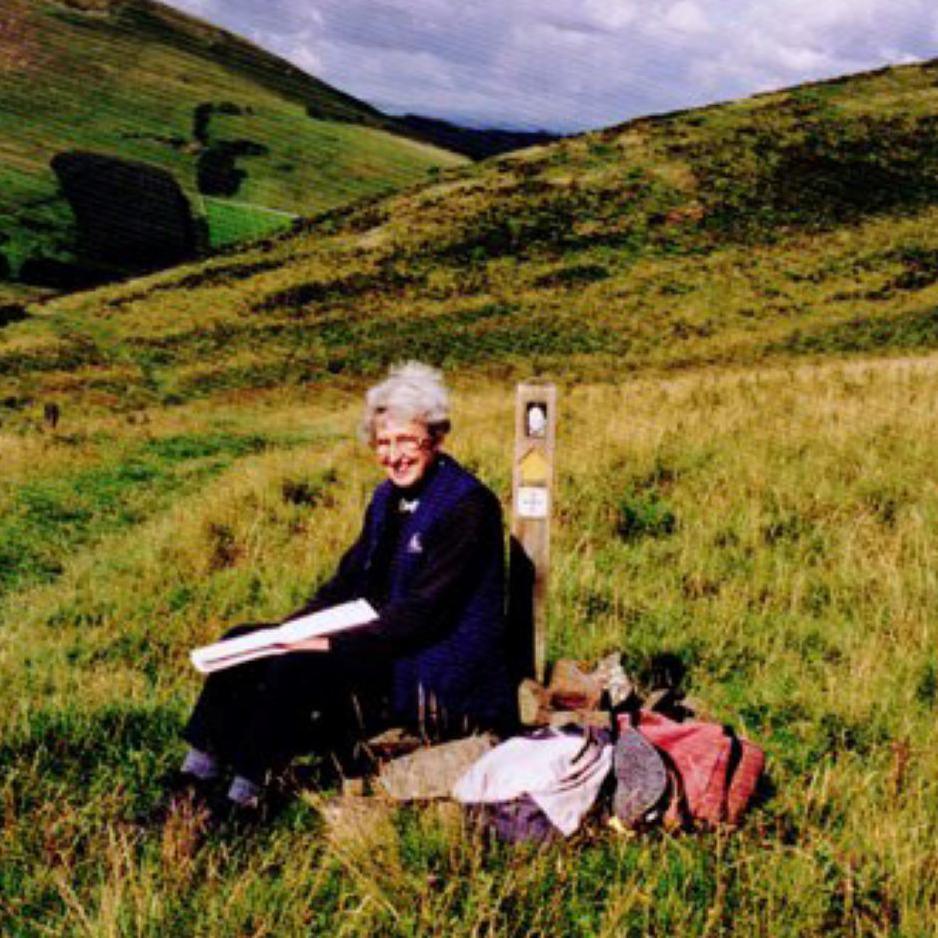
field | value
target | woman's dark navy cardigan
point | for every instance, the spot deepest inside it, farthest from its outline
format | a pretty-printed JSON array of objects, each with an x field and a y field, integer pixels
[{"x": 447, "y": 643}]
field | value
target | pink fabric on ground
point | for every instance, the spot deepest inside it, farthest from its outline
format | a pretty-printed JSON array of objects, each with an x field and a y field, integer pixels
[{"x": 701, "y": 754}]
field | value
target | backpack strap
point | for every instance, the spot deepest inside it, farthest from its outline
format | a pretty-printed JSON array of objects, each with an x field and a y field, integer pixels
[
  {"x": 675, "y": 808},
  {"x": 734, "y": 757}
]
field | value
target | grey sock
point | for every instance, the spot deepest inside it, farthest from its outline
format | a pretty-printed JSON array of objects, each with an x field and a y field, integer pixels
[
  {"x": 243, "y": 791},
  {"x": 202, "y": 765}
]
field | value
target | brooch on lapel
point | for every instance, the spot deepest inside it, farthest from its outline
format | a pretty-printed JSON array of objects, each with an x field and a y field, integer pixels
[{"x": 415, "y": 544}]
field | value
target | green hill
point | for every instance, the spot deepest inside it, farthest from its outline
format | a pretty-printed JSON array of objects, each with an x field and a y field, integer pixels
[
  {"x": 739, "y": 306},
  {"x": 257, "y": 137},
  {"x": 789, "y": 224}
]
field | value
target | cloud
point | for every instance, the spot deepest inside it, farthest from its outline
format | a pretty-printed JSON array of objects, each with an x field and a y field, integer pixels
[
  {"x": 574, "y": 64},
  {"x": 202, "y": 8},
  {"x": 687, "y": 17}
]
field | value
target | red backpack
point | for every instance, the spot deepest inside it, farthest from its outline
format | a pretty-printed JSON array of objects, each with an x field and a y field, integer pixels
[{"x": 714, "y": 773}]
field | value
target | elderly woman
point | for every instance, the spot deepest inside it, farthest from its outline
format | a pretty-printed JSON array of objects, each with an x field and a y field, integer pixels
[{"x": 430, "y": 560}]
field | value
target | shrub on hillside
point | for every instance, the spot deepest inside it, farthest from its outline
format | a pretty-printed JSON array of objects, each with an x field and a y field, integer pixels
[
  {"x": 217, "y": 173},
  {"x": 310, "y": 492},
  {"x": 822, "y": 172},
  {"x": 59, "y": 275},
  {"x": 90, "y": 6},
  {"x": 201, "y": 115},
  {"x": 644, "y": 515},
  {"x": 536, "y": 217},
  {"x": 388, "y": 281},
  {"x": 921, "y": 268},
  {"x": 12, "y": 312},
  {"x": 573, "y": 276},
  {"x": 129, "y": 215}
]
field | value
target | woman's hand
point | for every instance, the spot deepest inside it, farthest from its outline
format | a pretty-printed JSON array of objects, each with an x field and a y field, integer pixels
[{"x": 320, "y": 643}]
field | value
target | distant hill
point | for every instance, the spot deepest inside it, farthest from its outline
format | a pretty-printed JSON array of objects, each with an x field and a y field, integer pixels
[
  {"x": 799, "y": 223},
  {"x": 250, "y": 139},
  {"x": 477, "y": 144}
]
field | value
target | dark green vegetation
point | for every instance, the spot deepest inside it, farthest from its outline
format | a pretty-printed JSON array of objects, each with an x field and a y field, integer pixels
[
  {"x": 135, "y": 79},
  {"x": 129, "y": 216},
  {"x": 736, "y": 486}
]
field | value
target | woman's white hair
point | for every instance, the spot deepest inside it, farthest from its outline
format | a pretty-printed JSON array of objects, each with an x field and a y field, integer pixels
[{"x": 411, "y": 391}]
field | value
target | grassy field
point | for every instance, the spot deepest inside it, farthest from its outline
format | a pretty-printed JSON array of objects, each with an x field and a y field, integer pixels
[
  {"x": 797, "y": 583},
  {"x": 739, "y": 307}
]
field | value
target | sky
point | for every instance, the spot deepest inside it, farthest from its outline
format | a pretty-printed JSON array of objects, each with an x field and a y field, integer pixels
[{"x": 568, "y": 65}]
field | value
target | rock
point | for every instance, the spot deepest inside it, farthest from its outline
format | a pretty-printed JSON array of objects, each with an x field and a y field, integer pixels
[
  {"x": 600, "y": 719},
  {"x": 533, "y": 703},
  {"x": 571, "y": 688},
  {"x": 431, "y": 772}
]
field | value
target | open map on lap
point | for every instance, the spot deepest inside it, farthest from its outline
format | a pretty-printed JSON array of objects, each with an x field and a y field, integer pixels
[{"x": 281, "y": 639}]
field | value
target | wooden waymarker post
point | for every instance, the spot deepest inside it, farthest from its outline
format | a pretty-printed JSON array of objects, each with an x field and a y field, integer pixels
[{"x": 532, "y": 501}]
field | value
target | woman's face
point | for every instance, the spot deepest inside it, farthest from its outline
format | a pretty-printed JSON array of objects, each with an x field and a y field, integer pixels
[{"x": 403, "y": 449}]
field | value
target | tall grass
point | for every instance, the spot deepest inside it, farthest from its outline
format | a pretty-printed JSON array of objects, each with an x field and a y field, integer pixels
[{"x": 773, "y": 528}]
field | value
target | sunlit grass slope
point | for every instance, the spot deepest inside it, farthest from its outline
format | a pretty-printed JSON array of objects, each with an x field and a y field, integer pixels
[
  {"x": 794, "y": 576},
  {"x": 799, "y": 223},
  {"x": 128, "y": 77}
]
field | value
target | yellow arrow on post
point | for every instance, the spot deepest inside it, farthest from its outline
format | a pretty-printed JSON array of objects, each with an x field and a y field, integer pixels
[{"x": 534, "y": 469}]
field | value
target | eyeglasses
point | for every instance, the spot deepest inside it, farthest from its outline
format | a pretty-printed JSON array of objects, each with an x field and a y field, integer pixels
[{"x": 405, "y": 445}]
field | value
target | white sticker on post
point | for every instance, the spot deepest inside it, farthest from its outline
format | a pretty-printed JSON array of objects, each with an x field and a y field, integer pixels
[{"x": 532, "y": 501}]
